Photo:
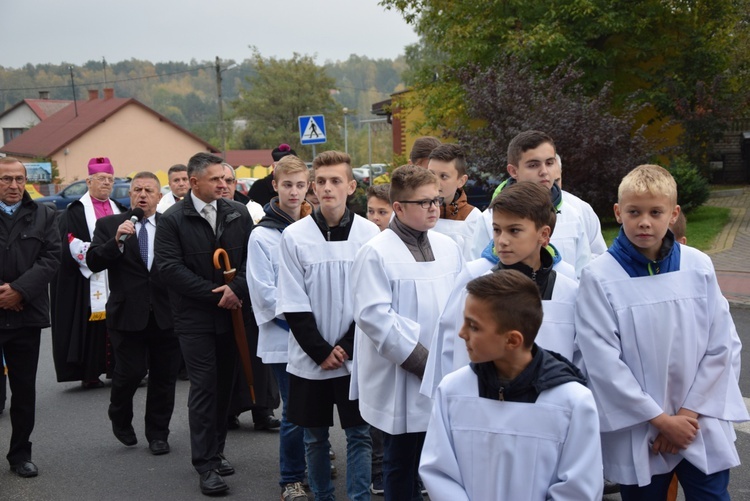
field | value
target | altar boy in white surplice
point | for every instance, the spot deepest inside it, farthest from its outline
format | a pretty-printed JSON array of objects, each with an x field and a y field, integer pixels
[
  {"x": 661, "y": 350},
  {"x": 518, "y": 422},
  {"x": 401, "y": 280}
]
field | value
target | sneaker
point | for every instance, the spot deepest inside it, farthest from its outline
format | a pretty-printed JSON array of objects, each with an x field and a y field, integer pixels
[
  {"x": 334, "y": 471},
  {"x": 376, "y": 487},
  {"x": 293, "y": 492}
]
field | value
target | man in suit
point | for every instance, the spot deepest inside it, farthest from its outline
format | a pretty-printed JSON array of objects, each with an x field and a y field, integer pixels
[
  {"x": 29, "y": 250},
  {"x": 178, "y": 187},
  {"x": 139, "y": 319},
  {"x": 187, "y": 237}
]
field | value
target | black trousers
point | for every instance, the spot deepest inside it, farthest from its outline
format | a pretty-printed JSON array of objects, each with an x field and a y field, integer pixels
[
  {"x": 21, "y": 349},
  {"x": 136, "y": 352},
  {"x": 210, "y": 358}
]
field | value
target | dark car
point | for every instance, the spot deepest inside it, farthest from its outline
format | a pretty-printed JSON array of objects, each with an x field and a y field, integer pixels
[{"x": 120, "y": 192}]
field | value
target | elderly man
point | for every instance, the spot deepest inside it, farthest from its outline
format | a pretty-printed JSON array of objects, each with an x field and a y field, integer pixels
[
  {"x": 29, "y": 249},
  {"x": 178, "y": 186},
  {"x": 139, "y": 319},
  {"x": 80, "y": 343},
  {"x": 187, "y": 236}
]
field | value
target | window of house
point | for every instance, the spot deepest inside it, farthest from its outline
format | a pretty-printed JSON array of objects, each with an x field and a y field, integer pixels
[{"x": 11, "y": 133}]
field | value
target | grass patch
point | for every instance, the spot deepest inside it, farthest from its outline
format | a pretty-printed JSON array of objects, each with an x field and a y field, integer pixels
[{"x": 703, "y": 225}]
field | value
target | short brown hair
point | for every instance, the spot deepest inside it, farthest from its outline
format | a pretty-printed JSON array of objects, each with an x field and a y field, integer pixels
[
  {"x": 177, "y": 168},
  {"x": 525, "y": 141},
  {"x": 333, "y": 157},
  {"x": 289, "y": 164},
  {"x": 527, "y": 200},
  {"x": 514, "y": 300},
  {"x": 451, "y": 153},
  {"x": 422, "y": 148},
  {"x": 147, "y": 175},
  {"x": 679, "y": 228},
  {"x": 408, "y": 178},
  {"x": 379, "y": 191}
]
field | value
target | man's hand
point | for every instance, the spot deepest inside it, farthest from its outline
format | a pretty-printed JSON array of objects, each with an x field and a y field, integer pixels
[
  {"x": 679, "y": 430},
  {"x": 335, "y": 360},
  {"x": 662, "y": 445},
  {"x": 10, "y": 299},
  {"x": 126, "y": 228},
  {"x": 229, "y": 299}
]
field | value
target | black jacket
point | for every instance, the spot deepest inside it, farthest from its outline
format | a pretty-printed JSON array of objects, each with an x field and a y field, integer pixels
[
  {"x": 184, "y": 248},
  {"x": 134, "y": 290},
  {"x": 29, "y": 258}
]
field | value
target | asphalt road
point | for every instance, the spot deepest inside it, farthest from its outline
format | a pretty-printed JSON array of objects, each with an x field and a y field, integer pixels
[{"x": 79, "y": 459}]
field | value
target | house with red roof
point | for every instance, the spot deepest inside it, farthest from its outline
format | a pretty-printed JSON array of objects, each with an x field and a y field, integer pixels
[
  {"x": 27, "y": 113},
  {"x": 133, "y": 136}
]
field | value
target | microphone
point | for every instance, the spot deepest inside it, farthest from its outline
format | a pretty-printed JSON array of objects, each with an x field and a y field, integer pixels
[{"x": 137, "y": 215}]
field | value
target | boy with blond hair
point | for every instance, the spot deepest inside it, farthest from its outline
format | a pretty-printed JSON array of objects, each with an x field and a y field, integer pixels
[
  {"x": 523, "y": 222},
  {"x": 661, "y": 350},
  {"x": 290, "y": 180},
  {"x": 401, "y": 280},
  {"x": 313, "y": 294},
  {"x": 519, "y": 422},
  {"x": 458, "y": 218}
]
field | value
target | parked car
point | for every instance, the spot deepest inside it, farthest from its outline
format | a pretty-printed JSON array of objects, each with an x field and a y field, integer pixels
[
  {"x": 244, "y": 184},
  {"x": 362, "y": 175},
  {"x": 120, "y": 192},
  {"x": 376, "y": 169}
]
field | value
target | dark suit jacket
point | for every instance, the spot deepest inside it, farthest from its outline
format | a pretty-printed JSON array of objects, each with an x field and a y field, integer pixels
[{"x": 134, "y": 290}]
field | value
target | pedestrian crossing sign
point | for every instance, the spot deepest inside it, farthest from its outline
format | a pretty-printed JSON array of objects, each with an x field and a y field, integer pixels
[{"x": 312, "y": 129}]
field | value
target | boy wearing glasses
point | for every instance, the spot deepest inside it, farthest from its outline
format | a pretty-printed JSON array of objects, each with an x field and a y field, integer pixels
[
  {"x": 458, "y": 218},
  {"x": 401, "y": 280}
]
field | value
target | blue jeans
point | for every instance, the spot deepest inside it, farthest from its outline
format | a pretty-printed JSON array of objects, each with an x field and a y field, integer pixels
[
  {"x": 695, "y": 484},
  {"x": 358, "y": 453},
  {"x": 291, "y": 436},
  {"x": 401, "y": 466}
]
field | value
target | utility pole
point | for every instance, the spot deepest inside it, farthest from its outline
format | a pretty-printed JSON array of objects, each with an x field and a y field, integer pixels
[
  {"x": 73, "y": 84},
  {"x": 222, "y": 132}
]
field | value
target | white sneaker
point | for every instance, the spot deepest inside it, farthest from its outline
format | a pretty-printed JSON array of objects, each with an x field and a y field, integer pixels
[{"x": 293, "y": 492}]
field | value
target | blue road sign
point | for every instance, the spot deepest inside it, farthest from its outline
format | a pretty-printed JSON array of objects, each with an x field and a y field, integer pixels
[{"x": 312, "y": 129}]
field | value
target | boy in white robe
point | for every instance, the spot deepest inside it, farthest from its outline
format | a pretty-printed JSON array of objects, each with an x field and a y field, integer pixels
[
  {"x": 458, "y": 219},
  {"x": 313, "y": 294},
  {"x": 523, "y": 222},
  {"x": 661, "y": 350},
  {"x": 518, "y": 423},
  {"x": 291, "y": 180},
  {"x": 401, "y": 280}
]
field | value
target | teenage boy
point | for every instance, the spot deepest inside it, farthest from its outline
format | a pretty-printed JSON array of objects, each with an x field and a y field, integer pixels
[
  {"x": 421, "y": 149},
  {"x": 290, "y": 180},
  {"x": 531, "y": 157},
  {"x": 523, "y": 220},
  {"x": 518, "y": 423},
  {"x": 379, "y": 209},
  {"x": 661, "y": 350},
  {"x": 313, "y": 294},
  {"x": 401, "y": 280},
  {"x": 458, "y": 218}
]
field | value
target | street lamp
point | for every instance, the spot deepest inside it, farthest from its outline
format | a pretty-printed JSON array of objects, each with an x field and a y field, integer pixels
[
  {"x": 346, "y": 132},
  {"x": 222, "y": 131}
]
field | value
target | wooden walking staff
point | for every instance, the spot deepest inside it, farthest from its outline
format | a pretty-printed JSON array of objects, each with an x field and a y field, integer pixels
[{"x": 237, "y": 321}]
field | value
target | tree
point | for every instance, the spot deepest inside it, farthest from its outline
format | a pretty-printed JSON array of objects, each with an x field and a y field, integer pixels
[
  {"x": 280, "y": 91},
  {"x": 597, "y": 147}
]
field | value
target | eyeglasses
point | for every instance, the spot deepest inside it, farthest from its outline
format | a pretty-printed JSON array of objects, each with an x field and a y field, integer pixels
[
  {"x": 9, "y": 180},
  {"x": 425, "y": 204},
  {"x": 103, "y": 179},
  {"x": 230, "y": 181}
]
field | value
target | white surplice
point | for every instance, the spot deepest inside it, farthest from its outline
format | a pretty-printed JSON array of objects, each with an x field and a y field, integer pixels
[{"x": 461, "y": 231}]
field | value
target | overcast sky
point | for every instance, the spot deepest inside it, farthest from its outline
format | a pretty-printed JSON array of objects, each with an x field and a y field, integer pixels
[{"x": 76, "y": 31}]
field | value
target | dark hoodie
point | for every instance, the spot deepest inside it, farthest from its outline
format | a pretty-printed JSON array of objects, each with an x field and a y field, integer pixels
[
  {"x": 544, "y": 278},
  {"x": 638, "y": 265},
  {"x": 276, "y": 218},
  {"x": 546, "y": 370}
]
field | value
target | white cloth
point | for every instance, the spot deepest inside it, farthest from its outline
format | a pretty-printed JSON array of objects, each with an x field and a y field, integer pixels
[
  {"x": 165, "y": 203},
  {"x": 461, "y": 232},
  {"x": 656, "y": 344},
  {"x": 256, "y": 211},
  {"x": 397, "y": 302},
  {"x": 569, "y": 236},
  {"x": 262, "y": 279},
  {"x": 591, "y": 223},
  {"x": 314, "y": 277},
  {"x": 448, "y": 351},
  {"x": 482, "y": 449}
]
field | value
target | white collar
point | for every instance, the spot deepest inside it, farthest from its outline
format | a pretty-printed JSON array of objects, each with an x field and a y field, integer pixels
[{"x": 199, "y": 204}]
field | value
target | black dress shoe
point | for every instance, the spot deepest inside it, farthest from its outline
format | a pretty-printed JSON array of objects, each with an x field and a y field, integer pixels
[
  {"x": 225, "y": 468},
  {"x": 233, "y": 422},
  {"x": 267, "y": 423},
  {"x": 211, "y": 483},
  {"x": 126, "y": 435},
  {"x": 25, "y": 469},
  {"x": 158, "y": 447}
]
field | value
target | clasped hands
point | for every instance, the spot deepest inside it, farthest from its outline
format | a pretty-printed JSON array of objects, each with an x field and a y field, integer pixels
[{"x": 675, "y": 432}]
